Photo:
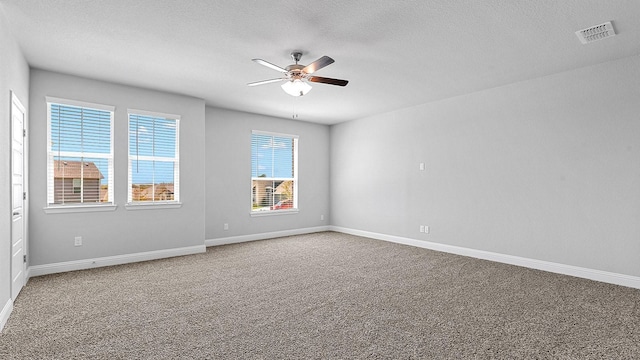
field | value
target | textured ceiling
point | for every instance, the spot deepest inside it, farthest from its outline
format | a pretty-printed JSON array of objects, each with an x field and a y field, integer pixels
[{"x": 395, "y": 54}]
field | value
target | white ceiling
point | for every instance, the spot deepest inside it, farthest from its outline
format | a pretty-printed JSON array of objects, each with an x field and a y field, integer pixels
[{"x": 395, "y": 54}]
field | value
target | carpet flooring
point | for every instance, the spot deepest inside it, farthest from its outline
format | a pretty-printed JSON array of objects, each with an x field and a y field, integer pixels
[{"x": 321, "y": 296}]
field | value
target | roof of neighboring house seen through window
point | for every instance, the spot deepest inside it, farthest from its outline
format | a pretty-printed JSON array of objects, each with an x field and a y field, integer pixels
[{"x": 66, "y": 169}]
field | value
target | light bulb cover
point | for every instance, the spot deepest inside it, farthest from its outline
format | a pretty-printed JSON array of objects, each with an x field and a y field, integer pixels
[{"x": 296, "y": 87}]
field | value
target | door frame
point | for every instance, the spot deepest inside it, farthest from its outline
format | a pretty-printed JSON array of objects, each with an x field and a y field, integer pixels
[{"x": 25, "y": 181}]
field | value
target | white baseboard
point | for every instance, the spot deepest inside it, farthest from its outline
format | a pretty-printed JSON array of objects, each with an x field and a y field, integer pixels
[
  {"x": 263, "y": 236},
  {"x": 591, "y": 274},
  {"x": 4, "y": 314},
  {"x": 39, "y": 270}
]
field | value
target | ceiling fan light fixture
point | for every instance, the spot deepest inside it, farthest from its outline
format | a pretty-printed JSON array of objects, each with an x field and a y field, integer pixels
[{"x": 296, "y": 87}]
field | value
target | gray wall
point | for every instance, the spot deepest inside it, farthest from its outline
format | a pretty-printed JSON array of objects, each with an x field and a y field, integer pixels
[
  {"x": 121, "y": 231},
  {"x": 14, "y": 76},
  {"x": 545, "y": 169},
  {"x": 228, "y": 174}
]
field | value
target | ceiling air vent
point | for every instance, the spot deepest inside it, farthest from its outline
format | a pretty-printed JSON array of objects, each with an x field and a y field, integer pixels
[{"x": 596, "y": 33}]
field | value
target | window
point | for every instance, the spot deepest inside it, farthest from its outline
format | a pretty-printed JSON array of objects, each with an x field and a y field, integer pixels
[
  {"x": 79, "y": 153},
  {"x": 77, "y": 186},
  {"x": 274, "y": 172},
  {"x": 154, "y": 166}
]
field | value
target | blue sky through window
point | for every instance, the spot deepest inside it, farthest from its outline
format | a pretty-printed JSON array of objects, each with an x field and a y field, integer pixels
[
  {"x": 81, "y": 130},
  {"x": 272, "y": 156},
  {"x": 84, "y": 130},
  {"x": 155, "y": 137}
]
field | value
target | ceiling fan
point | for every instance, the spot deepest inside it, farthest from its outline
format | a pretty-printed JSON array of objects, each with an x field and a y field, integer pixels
[{"x": 297, "y": 76}]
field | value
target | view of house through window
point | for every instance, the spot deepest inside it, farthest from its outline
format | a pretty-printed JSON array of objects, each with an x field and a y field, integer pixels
[
  {"x": 80, "y": 153},
  {"x": 153, "y": 158},
  {"x": 273, "y": 172}
]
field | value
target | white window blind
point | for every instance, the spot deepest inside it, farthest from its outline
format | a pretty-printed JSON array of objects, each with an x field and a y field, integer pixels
[
  {"x": 274, "y": 173},
  {"x": 79, "y": 153},
  {"x": 154, "y": 165}
]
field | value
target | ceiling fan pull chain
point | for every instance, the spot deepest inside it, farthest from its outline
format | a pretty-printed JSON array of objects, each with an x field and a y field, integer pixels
[{"x": 294, "y": 115}]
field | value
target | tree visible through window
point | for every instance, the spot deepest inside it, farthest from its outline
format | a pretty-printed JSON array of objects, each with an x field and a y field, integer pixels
[
  {"x": 274, "y": 175},
  {"x": 154, "y": 165}
]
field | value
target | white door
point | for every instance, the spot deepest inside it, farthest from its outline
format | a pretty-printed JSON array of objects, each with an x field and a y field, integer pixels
[{"x": 18, "y": 247}]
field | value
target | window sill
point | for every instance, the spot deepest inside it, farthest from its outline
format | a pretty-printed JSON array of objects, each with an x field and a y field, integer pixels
[
  {"x": 273, "y": 212},
  {"x": 153, "y": 206},
  {"x": 65, "y": 209}
]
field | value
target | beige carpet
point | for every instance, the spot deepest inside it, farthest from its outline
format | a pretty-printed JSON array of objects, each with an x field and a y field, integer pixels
[{"x": 321, "y": 296}]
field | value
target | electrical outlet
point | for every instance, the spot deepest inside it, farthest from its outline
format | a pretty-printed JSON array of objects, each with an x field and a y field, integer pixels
[
  {"x": 422, "y": 166},
  {"x": 421, "y": 228},
  {"x": 78, "y": 241},
  {"x": 426, "y": 229},
  {"x": 321, "y": 217},
  {"x": 225, "y": 226}
]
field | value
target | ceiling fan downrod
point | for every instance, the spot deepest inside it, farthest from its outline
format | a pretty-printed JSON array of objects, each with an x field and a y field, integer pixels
[{"x": 296, "y": 56}]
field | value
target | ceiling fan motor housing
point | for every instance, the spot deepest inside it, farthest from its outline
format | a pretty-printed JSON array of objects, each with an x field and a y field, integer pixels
[{"x": 295, "y": 71}]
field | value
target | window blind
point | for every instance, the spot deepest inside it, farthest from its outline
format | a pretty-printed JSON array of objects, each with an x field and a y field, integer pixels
[
  {"x": 154, "y": 165},
  {"x": 274, "y": 183},
  {"x": 80, "y": 154}
]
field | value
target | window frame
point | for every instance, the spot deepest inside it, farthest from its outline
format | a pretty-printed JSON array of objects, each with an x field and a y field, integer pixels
[
  {"x": 51, "y": 206},
  {"x": 295, "y": 205},
  {"x": 164, "y": 204}
]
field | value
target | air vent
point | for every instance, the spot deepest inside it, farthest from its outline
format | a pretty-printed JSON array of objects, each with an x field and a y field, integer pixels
[{"x": 595, "y": 33}]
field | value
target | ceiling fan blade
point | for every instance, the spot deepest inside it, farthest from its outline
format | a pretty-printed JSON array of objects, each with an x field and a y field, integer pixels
[
  {"x": 265, "y": 82},
  {"x": 318, "y": 64},
  {"x": 330, "y": 81},
  {"x": 269, "y": 65}
]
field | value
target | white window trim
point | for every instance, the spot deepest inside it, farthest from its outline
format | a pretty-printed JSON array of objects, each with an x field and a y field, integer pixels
[
  {"x": 139, "y": 205},
  {"x": 274, "y": 212},
  {"x": 295, "y": 208},
  {"x": 277, "y": 134},
  {"x": 153, "y": 206},
  {"x": 78, "y": 103},
  {"x": 65, "y": 208},
  {"x": 153, "y": 114}
]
